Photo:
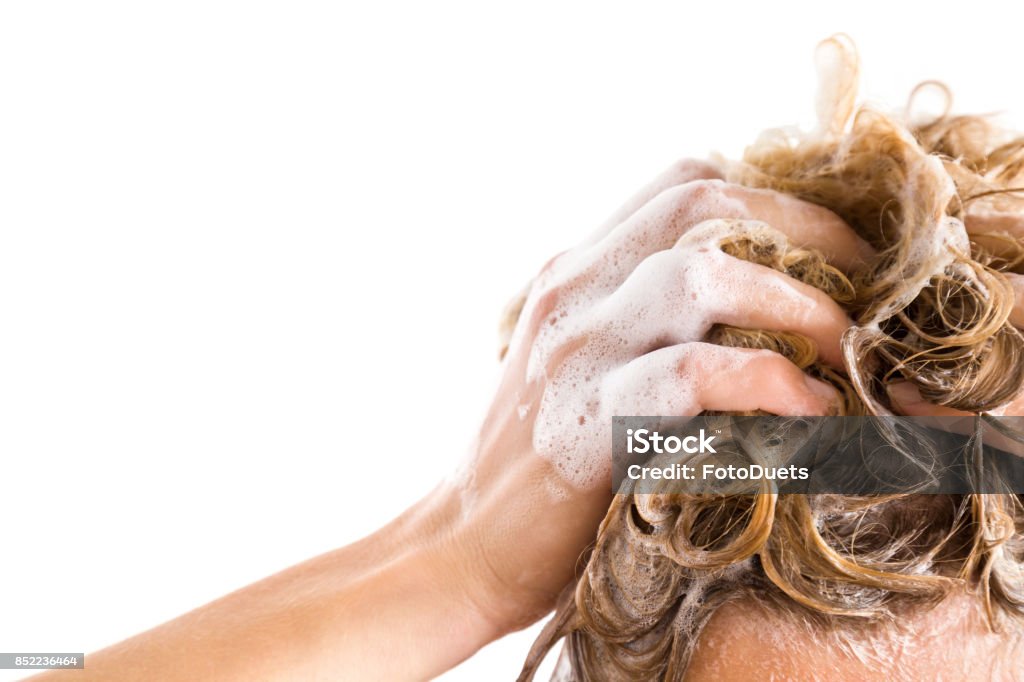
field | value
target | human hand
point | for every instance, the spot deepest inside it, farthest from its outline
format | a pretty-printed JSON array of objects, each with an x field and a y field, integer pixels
[{"x": 615, "y": 327}]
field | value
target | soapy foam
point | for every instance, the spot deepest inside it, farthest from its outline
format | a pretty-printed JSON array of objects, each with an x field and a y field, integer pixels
[{"x": 623, "y": 307}]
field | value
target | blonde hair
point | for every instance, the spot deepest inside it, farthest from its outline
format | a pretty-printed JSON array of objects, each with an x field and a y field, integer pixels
[{"x": 932, "y": 308}]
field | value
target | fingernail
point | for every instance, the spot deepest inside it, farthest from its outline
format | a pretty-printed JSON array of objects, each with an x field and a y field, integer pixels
[
  {"x": 903, "y": 393},
  {"x": 828, "y": 394}
]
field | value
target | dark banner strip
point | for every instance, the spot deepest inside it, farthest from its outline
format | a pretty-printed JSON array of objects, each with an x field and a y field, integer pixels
[{"x": 818, "y": 455}]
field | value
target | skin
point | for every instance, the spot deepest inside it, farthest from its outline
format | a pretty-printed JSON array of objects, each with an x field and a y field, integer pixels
[
  {"x": 488, "y": 551},
  {"x": 746, "y": 641}
]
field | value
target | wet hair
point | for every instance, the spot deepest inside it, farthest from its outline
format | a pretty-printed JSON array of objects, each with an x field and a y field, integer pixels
[{"x": 931, "y": 308}]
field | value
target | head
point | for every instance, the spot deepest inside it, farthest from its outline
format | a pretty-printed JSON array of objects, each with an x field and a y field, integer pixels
[{"x": 938, "y": 201}]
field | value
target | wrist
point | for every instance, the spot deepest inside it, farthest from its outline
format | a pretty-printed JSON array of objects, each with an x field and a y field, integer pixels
[
  {"x": 438, "y": 541},
  {"x": 460, "y": 551},
  {"x": 464, "y": 554},
  {"x": 511, "y": 542}
]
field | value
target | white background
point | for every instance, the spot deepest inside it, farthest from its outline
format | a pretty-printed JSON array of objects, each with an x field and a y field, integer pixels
[{"x": 240, "y": 241}]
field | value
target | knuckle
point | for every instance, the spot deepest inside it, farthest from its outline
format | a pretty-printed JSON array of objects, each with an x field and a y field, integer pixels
[
  {"x": 769, "y": 362},
  {"x": 687, "y": 359},
  {"x": 691, "y": 203},
  {"x": 693, "y": 194},
  {"x": 656, "y": 271},
  {"x": 661, "y": 260}
]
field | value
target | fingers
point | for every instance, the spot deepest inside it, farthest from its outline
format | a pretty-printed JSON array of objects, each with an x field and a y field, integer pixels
[
  {"x": 675, "y": 296},
  {"x": 679, "y": 173},
  {"x": 995, "y": 222},
  {"x": 662, "y": 221},
  {"x": 805, "y": 225},
  {"x": 908, "y": 401},
  {"x": 690, "y": 378},
  {"x": 753, "y": 296}
]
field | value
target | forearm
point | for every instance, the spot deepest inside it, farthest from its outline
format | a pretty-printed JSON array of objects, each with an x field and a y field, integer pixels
[{"x": 396, "y": 605}]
